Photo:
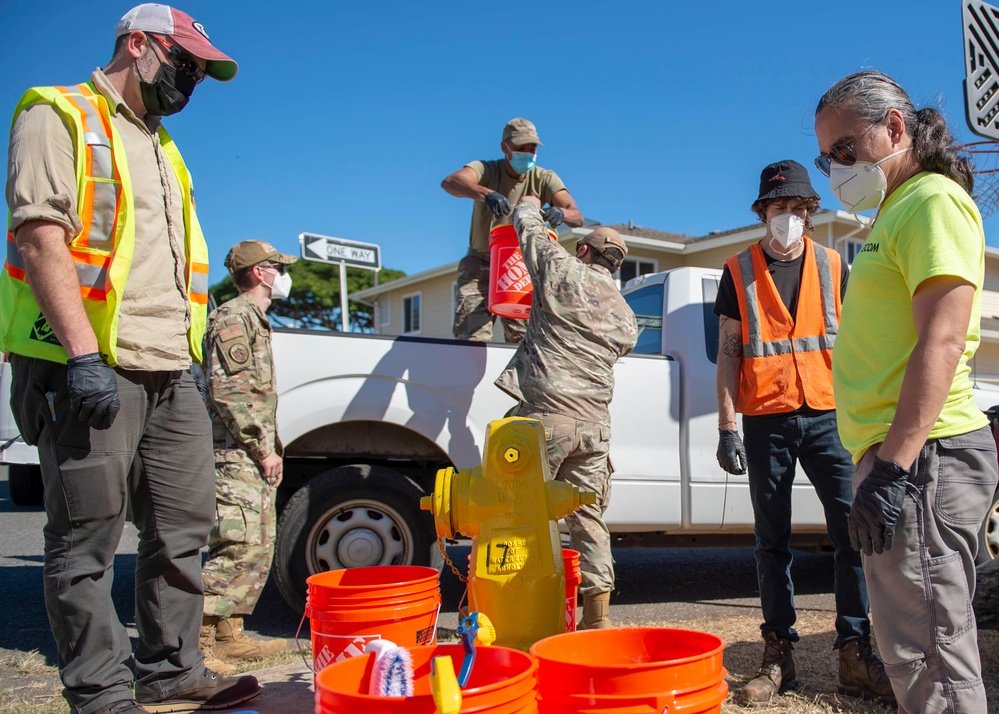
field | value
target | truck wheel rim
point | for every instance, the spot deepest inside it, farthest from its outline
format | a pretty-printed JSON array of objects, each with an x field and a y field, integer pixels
[{"x": 358, "y": 533}]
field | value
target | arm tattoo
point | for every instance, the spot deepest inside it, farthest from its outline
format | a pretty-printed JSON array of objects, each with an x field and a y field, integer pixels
[{"x": 732, "y": 346}]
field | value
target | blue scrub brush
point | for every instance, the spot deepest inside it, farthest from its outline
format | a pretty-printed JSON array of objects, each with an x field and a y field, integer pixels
[
  {"x": 392, "y": 671},
  {"x": 474, "y": 630}
]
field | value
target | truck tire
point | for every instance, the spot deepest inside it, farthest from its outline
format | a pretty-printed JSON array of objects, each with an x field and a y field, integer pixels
[
  {"x": 988, "y": 538},
  {"x": 25, "y": 483},
  {"x": 349, "y": 517}
]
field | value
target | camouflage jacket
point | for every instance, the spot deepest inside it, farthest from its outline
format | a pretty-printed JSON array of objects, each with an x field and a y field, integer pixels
[
  {"x": 239, "y": 369},
  {"x": 580, "y": 325}
]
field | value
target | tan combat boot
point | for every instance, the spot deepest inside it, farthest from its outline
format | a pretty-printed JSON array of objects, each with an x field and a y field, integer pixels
[
  {"x": 232, "y": 644},
  {"x": 206, "y": 643},
  {"x": 596, "y": 612},
  {"x": 861, "y": 673},
  {"x": 776, "y": 674}
]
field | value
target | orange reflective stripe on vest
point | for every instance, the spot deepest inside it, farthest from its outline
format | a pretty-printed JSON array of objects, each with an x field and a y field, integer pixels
[
  {"x": 787, "y": 360},
  {"x": 198, "y": 280}
]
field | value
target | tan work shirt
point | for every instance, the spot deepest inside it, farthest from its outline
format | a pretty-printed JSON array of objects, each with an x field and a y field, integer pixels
[
  {"x": 538, "y": 182},
  {"x": 41, "y": 185}
]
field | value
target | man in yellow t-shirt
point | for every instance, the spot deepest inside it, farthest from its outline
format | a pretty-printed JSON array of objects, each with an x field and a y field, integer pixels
[
  {"x": 926, "y": 461},
  {"x": 496, "y": 187}
]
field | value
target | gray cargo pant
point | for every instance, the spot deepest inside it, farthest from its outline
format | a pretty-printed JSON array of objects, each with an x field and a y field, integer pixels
[
  {"x": 158, "y": 454},
  {"x": 921, "y": 590},
  {"x": 579, "y": 453},
  {"x": 472, "y": 319}
]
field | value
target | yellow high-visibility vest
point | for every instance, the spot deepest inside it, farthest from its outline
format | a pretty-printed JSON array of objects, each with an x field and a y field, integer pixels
[{"x": 102, "y": 252}]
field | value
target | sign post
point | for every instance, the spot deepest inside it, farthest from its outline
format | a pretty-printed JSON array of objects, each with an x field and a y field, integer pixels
[{"x": 337, "y": 251}]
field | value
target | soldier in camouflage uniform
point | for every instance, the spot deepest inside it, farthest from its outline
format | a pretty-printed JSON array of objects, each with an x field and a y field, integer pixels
[
  {"x": 248, "y": 463},
  {"x": 563, "y": 375},
  {"x": 494, "y": 186}
]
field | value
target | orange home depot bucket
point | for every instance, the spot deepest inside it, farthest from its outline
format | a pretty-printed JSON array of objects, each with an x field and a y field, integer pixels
[
  {"x": 631, "y": 671},
  {"x": 502, "y": 682},
  {"x": 509, "y": 282},
  {"x": 349, "y": 608},
  {"x": 573, "y": 577}
]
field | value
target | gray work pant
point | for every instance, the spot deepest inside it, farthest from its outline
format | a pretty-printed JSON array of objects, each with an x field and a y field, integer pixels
[
  {"x": 921, "y": 590},
  {"x": 158, "y": 453}
]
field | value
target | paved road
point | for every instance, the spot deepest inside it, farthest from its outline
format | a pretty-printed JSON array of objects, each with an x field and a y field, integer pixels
[{"x": 653, "y": 584}]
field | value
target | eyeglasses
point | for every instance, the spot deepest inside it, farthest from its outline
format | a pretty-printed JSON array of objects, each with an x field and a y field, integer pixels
[
  {"x": 279, "y": 267},
  {"x": 842, "y": 153},
  {"x": 181, "y": 60}
]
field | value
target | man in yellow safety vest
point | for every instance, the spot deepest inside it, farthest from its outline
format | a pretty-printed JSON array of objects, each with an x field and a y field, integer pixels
[{"x": 103, "y": 302}]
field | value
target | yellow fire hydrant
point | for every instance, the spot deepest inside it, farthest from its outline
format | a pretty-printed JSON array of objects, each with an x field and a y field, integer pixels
[{"x": 510, "y": 506}]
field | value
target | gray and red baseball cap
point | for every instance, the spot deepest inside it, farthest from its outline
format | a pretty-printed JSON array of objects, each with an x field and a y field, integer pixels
[{"x": 182, "y": 29}]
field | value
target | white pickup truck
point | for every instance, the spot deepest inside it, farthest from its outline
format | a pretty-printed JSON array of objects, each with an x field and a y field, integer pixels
[{"x": 368, "y": 420}]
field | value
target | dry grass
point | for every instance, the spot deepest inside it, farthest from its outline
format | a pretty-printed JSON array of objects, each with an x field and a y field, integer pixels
[{"x": 30, "y": 686}]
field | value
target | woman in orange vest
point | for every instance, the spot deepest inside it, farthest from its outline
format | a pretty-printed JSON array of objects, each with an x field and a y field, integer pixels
[{"x": 778, "y": 306}]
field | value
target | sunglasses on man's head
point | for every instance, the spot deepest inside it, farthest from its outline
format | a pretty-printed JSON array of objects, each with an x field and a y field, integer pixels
[
  {"x": 181, "y": 60},
  {"x": 843, "y": 153}
]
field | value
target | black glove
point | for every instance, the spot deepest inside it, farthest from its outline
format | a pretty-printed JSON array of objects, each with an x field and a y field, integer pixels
[
  {"x": 731, "y": 451},
  {"x": 554, "y": 215},
  {"x": 876, "y": 507},
  {"x": 497, "y": 203},
  {"x": 200, "y": 381},
  {"x": 93, "y": 390}
]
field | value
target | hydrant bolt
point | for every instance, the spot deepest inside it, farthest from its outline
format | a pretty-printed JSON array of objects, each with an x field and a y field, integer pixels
[{"x": 511, "y": 455}]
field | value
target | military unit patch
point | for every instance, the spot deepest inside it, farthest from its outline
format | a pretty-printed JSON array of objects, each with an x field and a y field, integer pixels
[{"x": 239, "y": 353}]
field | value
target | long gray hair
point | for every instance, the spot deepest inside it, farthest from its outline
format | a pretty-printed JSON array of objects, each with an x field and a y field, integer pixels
[{"x": 870, "y": 94}]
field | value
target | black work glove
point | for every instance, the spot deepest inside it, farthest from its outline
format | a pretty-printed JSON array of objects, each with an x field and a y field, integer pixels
[
  {"x": 554, "y": 215},
  {"x": 200, "y": 381},
  {"x": 497, "y": 203},
  {"x": 731, "y": 451},
  {"x": 876, "y": 507},
  {"x": 93, "y": 390}
]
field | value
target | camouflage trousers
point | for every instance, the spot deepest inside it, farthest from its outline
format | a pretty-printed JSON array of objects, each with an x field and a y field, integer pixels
[
  {"x": 472, "y": 319},
  {"x": 579, "y": 453},
  {"x": 241, "y": 545}
]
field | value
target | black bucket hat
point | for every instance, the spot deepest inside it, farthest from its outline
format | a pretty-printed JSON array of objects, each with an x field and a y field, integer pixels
[{"x": 784, "y": 179}]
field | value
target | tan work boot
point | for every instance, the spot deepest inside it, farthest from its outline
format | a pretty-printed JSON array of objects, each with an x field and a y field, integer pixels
[
  {"x": 206, "y": 643},
  {"x": 596, "y": 612},
  {"x": 862, "y": 674},
  {"x": 233, "y": 644},
  {"x": 776, "y": 674}
]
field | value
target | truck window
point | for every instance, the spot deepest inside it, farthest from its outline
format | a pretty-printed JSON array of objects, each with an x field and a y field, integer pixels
[
  {"x": 647, "y": 305},
  {"x": 709, "y": 291}
]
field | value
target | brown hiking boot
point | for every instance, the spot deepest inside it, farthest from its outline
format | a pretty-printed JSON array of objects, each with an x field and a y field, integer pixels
[
  {"x": 206, "y": 643},
  {"x": 861, "y": 673},
  {"x": 232, "y": 644},
  {"x": 212, "y": 692},
  {"x": 776, "y": 674},
  {"x": 596, "y": 612}
]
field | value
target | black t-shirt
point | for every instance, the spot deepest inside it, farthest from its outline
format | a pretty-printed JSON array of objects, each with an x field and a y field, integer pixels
[{"x": 786, "y": 275}]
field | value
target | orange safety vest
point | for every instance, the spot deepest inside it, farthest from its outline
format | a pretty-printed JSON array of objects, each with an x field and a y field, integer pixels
[{"x": 787, "y": 362}]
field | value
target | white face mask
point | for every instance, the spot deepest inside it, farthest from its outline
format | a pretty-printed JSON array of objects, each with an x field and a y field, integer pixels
[
  {"x": 281, "y": 287},
  {"x": 787, "y": 229},
  {"x": 862, "y": 186}
]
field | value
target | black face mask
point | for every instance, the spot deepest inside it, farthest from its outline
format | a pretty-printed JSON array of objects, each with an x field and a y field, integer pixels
[{"x": 169, "y": 91}]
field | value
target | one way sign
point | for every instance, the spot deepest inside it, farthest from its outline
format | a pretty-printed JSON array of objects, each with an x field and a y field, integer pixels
[{"x": 324, "y": 249}]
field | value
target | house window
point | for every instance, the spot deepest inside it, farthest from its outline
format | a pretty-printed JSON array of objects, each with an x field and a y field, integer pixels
[
  {"x": 411, "y": 314},
  {"x": 853, "y": 250},
  {"x": 633, "y": 267},
  {"x": 384, "y": 311}
]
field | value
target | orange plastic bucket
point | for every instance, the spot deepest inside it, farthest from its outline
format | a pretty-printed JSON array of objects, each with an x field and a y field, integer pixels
[
  {"x": 573, "y": 577},
  {"x": 502, "y": 682},
  {"x": 510, "y": 286},
  {"x": 631, "y": 671},
  {"x": 349, "y": 608}
]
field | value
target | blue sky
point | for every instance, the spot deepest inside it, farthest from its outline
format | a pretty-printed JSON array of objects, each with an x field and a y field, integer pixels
[{"x": 345, "y": 117}]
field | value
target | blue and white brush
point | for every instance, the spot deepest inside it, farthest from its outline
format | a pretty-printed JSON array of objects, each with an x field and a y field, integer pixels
[{"x": 392, "y": 671}]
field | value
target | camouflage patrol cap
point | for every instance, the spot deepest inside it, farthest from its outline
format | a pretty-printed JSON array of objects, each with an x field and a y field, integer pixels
[
  {"x": 602, "y": 238},
  {"x": 521, "y": 132},
  {"x": 252, "y": 252}
]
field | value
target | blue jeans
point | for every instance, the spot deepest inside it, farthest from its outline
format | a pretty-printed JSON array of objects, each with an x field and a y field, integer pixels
[{"x": 773, "y": 446}]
